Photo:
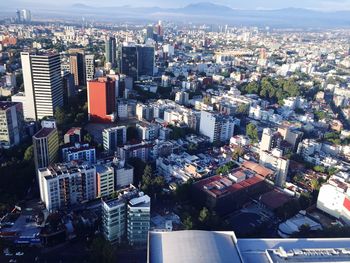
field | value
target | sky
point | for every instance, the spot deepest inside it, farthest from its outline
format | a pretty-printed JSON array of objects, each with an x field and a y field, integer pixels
[{"x": 324, "y": 5}]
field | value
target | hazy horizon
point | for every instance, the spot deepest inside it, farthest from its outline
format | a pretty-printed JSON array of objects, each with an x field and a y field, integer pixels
[{"x": 324, "y": 5}]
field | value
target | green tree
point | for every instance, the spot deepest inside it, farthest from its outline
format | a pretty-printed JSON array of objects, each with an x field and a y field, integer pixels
[
  {"x": 29, "y": 154},
  {"x": 252, "y": 88},
  {"x": 101, "y": 251},
  {"x": 238, "y": 152},
  {"x": 188, "y": 223},
  {"x": 59, "y": 116},
  {"x": 243, "y": 109},
  {"x": 204, "y": 215},
  {"x": 88, "y": 138},
  {"x": 252, "y": 132}
]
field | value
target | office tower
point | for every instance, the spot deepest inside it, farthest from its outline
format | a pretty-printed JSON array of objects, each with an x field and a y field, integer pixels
[
  {"x": 42, "y": 85},
  {"x": 110, "y": 50},
  {"x": 73, "y": 135},
  {"x": 68, "y": 84},
  {"x": 137, "y": 61},
  {"x": 101, "y": 100},
  {"x": 266, "y": 140},
  {"x": 104, "y": 181},
  {"x": 89, "y": 67},
  {"x": 77, "y": 66},
  {"x": 45, "y": 143},
  {"x": 114, "y": 137},
  {"x": 128, "y": 64},
  {"x": 138, "y": 222},
  {"x": 149, "y": 32},
  {"x": 65, "y": 185},
  {"x": 79, "y": 152},
  {"x": 218, "y": 127},
  {"x": 11, "y": 123},
  {"x": 145, "y": 61},
  {"x": 26, "y": 15}
]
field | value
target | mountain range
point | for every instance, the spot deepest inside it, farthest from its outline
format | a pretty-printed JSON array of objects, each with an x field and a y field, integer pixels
[{"x": 204, "y": 12}]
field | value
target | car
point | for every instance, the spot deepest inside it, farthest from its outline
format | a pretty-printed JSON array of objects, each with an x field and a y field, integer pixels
[
  {"x": 19, "y": 253},
  {"x": 12, "y": 260}
]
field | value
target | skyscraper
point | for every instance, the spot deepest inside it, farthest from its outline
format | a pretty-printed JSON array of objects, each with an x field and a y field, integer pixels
[
  {"x": 89, "y": 67},
  {"x": 11, "y": 123},
  {"x": 77, "y": 66},
  {"x": 42, "y": 84},
  {"x": 110, "y": 49},
  {"x": 101, "y": 100},
  {"x": 137, "y": 60},
  {"x": 45, "y": 143}
]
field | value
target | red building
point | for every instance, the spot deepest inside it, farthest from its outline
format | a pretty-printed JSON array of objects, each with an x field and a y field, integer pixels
[{"x": 101, "y": 100}]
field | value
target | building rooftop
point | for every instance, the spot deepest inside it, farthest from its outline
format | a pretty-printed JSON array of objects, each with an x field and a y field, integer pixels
[
  {"x": 4, "y": 105},
  {"x": 192, "y": 246},
  {"x": 44, "y": 132},
  {"x": 219, "y": 185}
]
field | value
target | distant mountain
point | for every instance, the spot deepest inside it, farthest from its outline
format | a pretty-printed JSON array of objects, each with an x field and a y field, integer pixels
[
  {"x": 205, "y": 8},
  {"x": 206, "y": 12}
]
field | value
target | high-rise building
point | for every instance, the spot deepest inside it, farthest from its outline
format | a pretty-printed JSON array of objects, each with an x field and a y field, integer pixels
[
  {"x": 128, "y": 216},
  {"x": 90, "y": 67},
  {"x": 114, "y": 137},
  {"x": 149, "y": 32},
  {"x": 276, "y": 162},
  {"x": 110, "y": 49},
  {"x": 266, "y": 140},
  {"x": 23, "y": 16},
  {"x": 42, "y": 85},
  {"x": 114, "y": 220},
  {"x": 138, "y": 222},
  {"x": 104, "y": 180},
  {"x": 137, "y": 61},
  {"x": 11, "y": 123},
  {"x": 65, "y": 185},
  {"x": 46, "y": 144},
  {"x": 101, "y": 100},
  {"x": 218, "y": 127},
  {"x": 77, "y": 66}
]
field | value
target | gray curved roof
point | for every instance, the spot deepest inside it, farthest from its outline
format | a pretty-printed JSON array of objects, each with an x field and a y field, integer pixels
[{"x": 193, "y": 247}]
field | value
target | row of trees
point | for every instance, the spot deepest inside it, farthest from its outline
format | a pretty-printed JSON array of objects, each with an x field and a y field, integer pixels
[{"x": 274, "y": 90}]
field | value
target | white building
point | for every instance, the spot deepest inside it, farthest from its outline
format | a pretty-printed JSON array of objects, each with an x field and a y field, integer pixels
[
  {"x": 42, "y": 85},
  {"x": 334, "y": 199},
  {"x": 64, "y": 185},
  {"x": 275, "y": 161},
  {"x": 218, "y": 127},
  {"x": 79, "y": 152},
  {"x": 89, "y": 67},
  {"x": 114, "y": 137},
  {"x": 11, "y": 123},
  {"x": 147, "y": 132}
]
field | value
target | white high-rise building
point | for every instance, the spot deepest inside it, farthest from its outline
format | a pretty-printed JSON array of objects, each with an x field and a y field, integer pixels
[
  {"x": 89, "y": 67},
  {"x": 64, "y": 185},
  {"x": 114, "y": 137},
  {"x": 42, "y": 85},
  {"x": 266, "y": 140},
  {"x": 217, "y": 127}
]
